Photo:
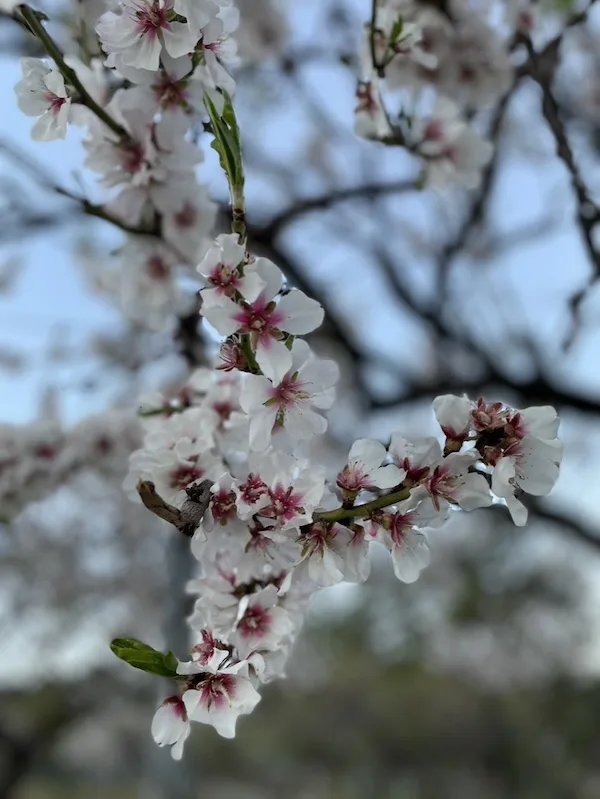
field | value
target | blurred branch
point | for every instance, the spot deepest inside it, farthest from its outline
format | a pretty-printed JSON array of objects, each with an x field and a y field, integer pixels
[
  {"x": 541, "y": 69},
  {"x": 327, "y": 200}
]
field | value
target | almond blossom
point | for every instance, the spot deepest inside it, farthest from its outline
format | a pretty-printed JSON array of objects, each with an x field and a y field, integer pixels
[
  {"x": 287, "y": 407},
  {"x": 364, "y": 470},
  {"x": 221, "y": 694},
  {"x": 453, "y": 150},
  {"x": 140, "y": 32},
  {"x": 42, "y": 93},
  {"x": 530, "y": 465},
  {"x": 265, "y": 320},
  {"x": 226, "y": 273}
]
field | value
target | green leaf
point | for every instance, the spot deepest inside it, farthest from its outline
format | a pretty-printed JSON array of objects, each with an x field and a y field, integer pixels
[
  {"x": 227, "y": 142},
  {"x": 144, "y": 657}
]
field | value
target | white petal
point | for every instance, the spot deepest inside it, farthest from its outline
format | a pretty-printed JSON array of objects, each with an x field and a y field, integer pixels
[
  {"x": 387, "y": 476},
  {"x": 274, "y": 359},
  {"x": 474, "y": 493},
  {"x": 453, "y": 414},
  {"x": 410, "y": 557},
  {"x": 368, "y": 452},
  {"x": 541, "y": 421},
  {"x": 271, "y": 275},
  {"x": 301, "y": 313}
]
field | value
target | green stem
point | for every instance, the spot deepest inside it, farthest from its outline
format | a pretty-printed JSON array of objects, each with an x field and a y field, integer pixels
[
  {"x": 249, "y": 355},
  {"x": 38, "y": 30},
  {"x": 363, "y": 510}
]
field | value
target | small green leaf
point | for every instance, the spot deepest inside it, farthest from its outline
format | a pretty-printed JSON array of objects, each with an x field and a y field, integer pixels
[
  {"x": 144, "y": 657},
  {"x": 227, "y": 142}
]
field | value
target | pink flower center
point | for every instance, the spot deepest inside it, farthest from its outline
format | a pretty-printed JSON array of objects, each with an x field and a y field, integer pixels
[
  {"x": 253, "y": 489},
  {"x": 352, "y": 478},
  {"x": 185, "y": 475},
  {"x": 259, "y": 318},
  {"x": 186, "y": 217},
  {"x": 255, "y": 622},
  {"x": 150, "y": 18},
  {"x": 225, "y": 278},
  {"x": 216, "y": 691},
  {"x": 284, "y": 504},
  {"x": 157, "y": 269},
  {"x": 55, "y": 102},
  {"x": 133, "y": 158},
  {"x": 175, "y": 704},
  {"x": 442, "y": 485},
  {"x": 222, "y": 506},
  {"x": 170, "y": 93},
  {"x": 400, "y": 524},
  {"x": 434, "y": 130},
  {"x": 288, "y": 392}
]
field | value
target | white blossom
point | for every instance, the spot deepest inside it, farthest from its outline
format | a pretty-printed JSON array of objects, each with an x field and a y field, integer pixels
[
  {"x": 42, "y": 93},
  {"x": 288, "y": 406}
]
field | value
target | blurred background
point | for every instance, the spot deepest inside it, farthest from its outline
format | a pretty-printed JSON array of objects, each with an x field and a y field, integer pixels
[{"x": 482, "y": 679}]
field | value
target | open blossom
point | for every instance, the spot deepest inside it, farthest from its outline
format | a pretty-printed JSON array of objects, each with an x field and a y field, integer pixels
[
  {"x": 263, "y": 623},
  {"x": 221, "y": 694},
  {"x": 400, "y": 531},
  {"x": 266, "y": 320},
  {"x": 530, "y": 465},
  {"x": 452, "y": 149},
  {"x": 140, "y": 32},
  {"x": 451, "y": 483},
  {"x": 153, "y": 165},
  {"x": 226, "y": 273},
  {"x": 288, "y": 406},
  {"x": 170, "y": 726},
  {"x": 281, "y": 489},
  {"x": 42, "y": 93},
  {"x": 364, "y": 470}
]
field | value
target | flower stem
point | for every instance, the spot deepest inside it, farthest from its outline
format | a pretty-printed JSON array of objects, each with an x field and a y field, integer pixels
[
  {"x": 33, "y": 23},
  {"x": 367, "y": 508}
]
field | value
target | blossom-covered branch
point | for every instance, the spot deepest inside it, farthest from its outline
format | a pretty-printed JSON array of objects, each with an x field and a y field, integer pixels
[{"x": 232, "y": 460}]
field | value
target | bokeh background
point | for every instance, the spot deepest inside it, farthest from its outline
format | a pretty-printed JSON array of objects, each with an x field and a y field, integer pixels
[{"x": 482, "y": 679}]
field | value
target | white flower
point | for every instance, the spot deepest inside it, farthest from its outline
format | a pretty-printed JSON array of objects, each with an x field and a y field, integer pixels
[
  {"x": 281, "y": 489},
  {"x": 400, "y": 532},
  {"x": 288, "y": 405},
  {"x": 451, "y": 483},
  {"x": 225, "y": 272},
  {"x": 154, "y": 164},
  {"x": 415, "y": 457},
  {"x": 364, "y": 470},
  {"x": 42, "y": 93},
  {"x": 221, "y": 696},
  {"x": 263, "y": 623},
  {"x": 453, "y": 150},
  {"x": 478, "y": 69},
  {"x": 370, "y": 117},
  {"x": 140, "y": 32},
  {"x": 531, "y": 465},
  {"x": 265, "y": 320},
  {"x": 170, "y": 726},
  {"x": 171, "y": 88}
]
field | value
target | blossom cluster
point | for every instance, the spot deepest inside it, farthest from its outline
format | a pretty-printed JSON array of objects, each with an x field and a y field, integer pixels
[
  {"x": 456, "y": 52},
  {"x": 142, "y": 102},
  {"x": 37, "y": 458},
  {"x": 231, "y": 458},
  {"x": 275, "y": 529}
]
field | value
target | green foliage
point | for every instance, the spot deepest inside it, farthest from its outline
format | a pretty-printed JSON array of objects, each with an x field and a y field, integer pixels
[
  {"x": 227, "y": 143},
  {"x": 144, "y": 657}
]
